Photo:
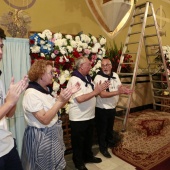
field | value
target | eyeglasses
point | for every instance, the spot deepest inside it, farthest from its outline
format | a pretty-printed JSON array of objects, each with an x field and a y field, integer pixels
[
  {"x": 51, "y": 73},
  {"x": 106, "y": 65}
]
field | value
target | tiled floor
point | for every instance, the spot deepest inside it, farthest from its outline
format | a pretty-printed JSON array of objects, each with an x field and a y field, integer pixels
[{"x": 113, "y": 163}]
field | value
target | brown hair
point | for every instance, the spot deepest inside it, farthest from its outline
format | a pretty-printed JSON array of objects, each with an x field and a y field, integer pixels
[
  {"x": 2, "y": 34},
  {"x": 38, "y": 69}
]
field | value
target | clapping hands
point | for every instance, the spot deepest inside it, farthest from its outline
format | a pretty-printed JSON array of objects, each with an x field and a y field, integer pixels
[
  {"x": 15, "y": 89},
  {"x": 65, "y": 94},
  {"x": 124, "y": 90},
  {"x": 101, "y": 86}
]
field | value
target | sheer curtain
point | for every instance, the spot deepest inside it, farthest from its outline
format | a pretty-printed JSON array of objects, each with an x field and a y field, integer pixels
[{"x": 15, "y": 62}]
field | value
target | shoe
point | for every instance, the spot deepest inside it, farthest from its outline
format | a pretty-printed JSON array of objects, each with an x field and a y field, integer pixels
[
  {"x": 81, "y": 167},
  {"x": 93, "y": 160},
  {"x": 106, "y": 154}
]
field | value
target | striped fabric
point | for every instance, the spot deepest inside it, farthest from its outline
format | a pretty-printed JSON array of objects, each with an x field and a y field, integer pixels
[{"x": 43, "y": 148}]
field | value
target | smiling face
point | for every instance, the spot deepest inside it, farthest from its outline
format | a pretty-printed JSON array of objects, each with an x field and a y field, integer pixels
[{"x": 106, "y": 66}]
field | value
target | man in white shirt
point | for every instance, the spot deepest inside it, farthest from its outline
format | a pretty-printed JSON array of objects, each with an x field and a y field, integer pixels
[
  {"x": 105, "y": 105},
  {"x": 82, "y": 113},
  {"x": 9, "y": 158}
]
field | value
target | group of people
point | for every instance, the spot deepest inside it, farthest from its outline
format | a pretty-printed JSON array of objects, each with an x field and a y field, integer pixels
[{"x": 91, "y": 102}]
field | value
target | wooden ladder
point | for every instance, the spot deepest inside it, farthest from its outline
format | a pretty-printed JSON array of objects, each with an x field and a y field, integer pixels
[{"x": 143, "y": 34}]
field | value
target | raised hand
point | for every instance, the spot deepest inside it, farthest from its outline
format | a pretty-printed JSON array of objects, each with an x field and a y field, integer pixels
[
  {"x": 75, "y": 88},
  {"x": 65, "y": 95},
  {"x": 101, "y": 86},
  {"x": 124, "y": 90},
  {"x": 15, "y": 89}
]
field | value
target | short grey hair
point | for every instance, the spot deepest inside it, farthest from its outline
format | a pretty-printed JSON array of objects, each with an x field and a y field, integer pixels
[{"x": 79, "y": 61}]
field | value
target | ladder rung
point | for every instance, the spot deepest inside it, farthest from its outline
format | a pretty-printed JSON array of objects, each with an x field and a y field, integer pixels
[
  {"x": 156, "y": 73},
  {"x": 136, "y": 23},
  {"x": 152, "y": 54},
  {"x": 158, "y": 63},
  {"x": 139, "y": 13},
  {"x": 161, "y": 105},
  {"x": 159, "y": 97},
  {"x": 122, "y": 107},
  {"x": 130, "y": 53},
  {"x": 128, "y": 74},
  {"x": 132, "y": 43},
  {"x": 152, "y": 35},
  {"x": 124, "y": 95},
  {"x": 149, "y": 25},
  {"x": 140, "y": 5},
  {"x": 120, "y": 118},
  {"x": 159, "y": 81},
  {"x": 152, "y": 45},
  {"x": 128, "y": 63},
  {"x": 134, "y": 33},
  {"x": 158, "y": 89},
  {"x": 149, "y": 15}
]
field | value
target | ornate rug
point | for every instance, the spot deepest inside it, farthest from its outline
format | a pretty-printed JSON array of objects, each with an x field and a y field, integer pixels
[{"x": 146, "y": 142}]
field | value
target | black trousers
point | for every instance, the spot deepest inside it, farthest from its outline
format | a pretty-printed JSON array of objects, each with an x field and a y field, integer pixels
[
  {"x": 82, "y": 140},
  {"x": 104, "y": 125},
  {"x": 11, "y": 161}
]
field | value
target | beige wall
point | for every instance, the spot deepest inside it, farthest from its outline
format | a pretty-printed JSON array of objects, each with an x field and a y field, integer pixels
[{"x": 73, "y": 16}]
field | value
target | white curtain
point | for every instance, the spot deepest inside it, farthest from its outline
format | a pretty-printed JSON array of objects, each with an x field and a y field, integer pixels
[{"x": 15, "y": 62}]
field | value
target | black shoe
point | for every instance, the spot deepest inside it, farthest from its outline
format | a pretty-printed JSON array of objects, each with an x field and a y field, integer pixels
[
  {"x": 81, "y": 167},
  {"x": 106, "y": 154},
  {"x": 93, "y": 160}
]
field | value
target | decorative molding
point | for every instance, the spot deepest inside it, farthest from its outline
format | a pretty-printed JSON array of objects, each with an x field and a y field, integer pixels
[
  {"x": 20, "y": 4},
  {"x": 96, "y": 8}
]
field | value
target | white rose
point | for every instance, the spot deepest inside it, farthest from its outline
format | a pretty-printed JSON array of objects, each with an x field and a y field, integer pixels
[
  {"x": 61, "y": 59},
  {"x": 48, "y": 34},
  {"x": 79, "y": 49},
  {"x": 66, "y": 73},
  {"x": 53, "y": 55},
  {"x": 97, "y": 70},
  {"x": 98, "y": 65},
  {"x": 42, "y": 42},
  {"x": 103, "y": 41},
  {"x": 62, "y": 79},
  {"x": 77, "y": 38},
  {"x": 100, "y": 56},
  {"x": 42, "y": 54},
  {"x": 58, "y": 42},
  {"x": 69, "y": 37},
  {"x": 94, "y": 39},
  {"x": 57, "y": 35},
  {"x": 67, "y": 108},
  {"x": 63, "y": 50},
  {"x": 82, "y": 37},
  {"x": 94, "y": 50},
  {"x": 84, "y": 45},
  {"x": 97, "y": 45},
  {"x": 35, "y": 49},
  {"x": 73, "y": 43},
  {"x": 70, "y": 49},
  {"x": 64, "y": 40},
  {"x": 41, "y": 35},
  {"x": 55, "y": 86}
]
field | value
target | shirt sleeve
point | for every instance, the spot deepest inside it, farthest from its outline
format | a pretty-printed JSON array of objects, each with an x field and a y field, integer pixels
[{"x": 32, "y": 102}]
